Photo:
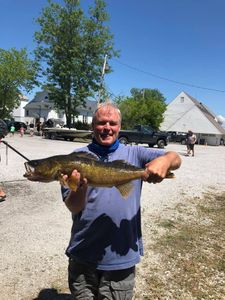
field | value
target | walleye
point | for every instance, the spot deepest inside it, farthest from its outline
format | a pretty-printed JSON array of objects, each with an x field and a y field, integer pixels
[{"x": 117, "y": 173}]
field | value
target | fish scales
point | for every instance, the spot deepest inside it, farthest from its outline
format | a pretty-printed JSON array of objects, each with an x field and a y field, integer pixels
[
  {"x": 112, "y": 176},
  {"x": 102, "y": 174},
  {"x": 109, "y": 174}
]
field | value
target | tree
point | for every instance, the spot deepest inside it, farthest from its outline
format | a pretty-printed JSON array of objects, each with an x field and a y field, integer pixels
[
  {"x": 145, "y": 106},
  {"x": 73, "y": 47},
  {"x": 17, "y": 73}
]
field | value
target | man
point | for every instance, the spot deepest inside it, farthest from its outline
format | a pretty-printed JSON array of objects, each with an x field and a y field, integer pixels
[
  {"x": 31, "y": 129},
  {"x": 106, "y": 242},
  {"x": 191, "y": 140}
]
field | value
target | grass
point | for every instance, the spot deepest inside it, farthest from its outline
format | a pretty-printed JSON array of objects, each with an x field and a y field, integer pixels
[{"x": 190, "y": 252}]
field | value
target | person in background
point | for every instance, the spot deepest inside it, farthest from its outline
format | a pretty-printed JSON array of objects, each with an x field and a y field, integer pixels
[
  {"x": 12, "y": 130},
  {"x": 38, "y": 128},
  {"x": 106, "y": 239},
  {"x": 191, "y": 140},
  {"x": 21, "y": 131},
  {"x": 31, "y": 129},
  {"x": 41, "y": 128}
]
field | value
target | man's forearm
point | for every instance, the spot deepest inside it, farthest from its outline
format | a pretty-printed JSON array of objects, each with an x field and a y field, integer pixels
[
  {"x": 76, "y": 201},
  {"x": 174, "y": 160}
]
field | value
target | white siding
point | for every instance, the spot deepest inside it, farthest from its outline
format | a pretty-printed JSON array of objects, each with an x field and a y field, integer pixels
[
  {"x": 182, "y": 114},
  {"x": 19, "y": 112},
  {"x": 186, "y": 113}
]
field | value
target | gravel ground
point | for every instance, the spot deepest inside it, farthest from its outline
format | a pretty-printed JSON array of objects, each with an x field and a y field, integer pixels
[{"x": 35, "y": 225}]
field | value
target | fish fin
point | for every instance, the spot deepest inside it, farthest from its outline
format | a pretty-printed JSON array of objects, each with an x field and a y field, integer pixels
[
  {"x": 72, "y": 187},
  {"x": 120, "y": 162},
  {"x": 124, "y": 164},
  {"x": 62, "y": 181},
  {"x": 125, "y": 189},
  {"x": 70, "y": 183},
  {"x": 170, "y": 175},
  {"x": 84, "y": 155}
]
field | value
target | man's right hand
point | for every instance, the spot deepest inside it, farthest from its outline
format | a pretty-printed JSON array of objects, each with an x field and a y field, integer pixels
[{"x": 74, "y": 181}]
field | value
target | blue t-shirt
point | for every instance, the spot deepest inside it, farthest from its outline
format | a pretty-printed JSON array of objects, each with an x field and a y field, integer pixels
[{"x": 107, "y": 232}]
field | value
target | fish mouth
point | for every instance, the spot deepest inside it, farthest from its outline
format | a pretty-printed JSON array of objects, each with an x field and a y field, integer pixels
[
  {"x": 32, "y": 175},
  {"x": 30, "y": 171}
]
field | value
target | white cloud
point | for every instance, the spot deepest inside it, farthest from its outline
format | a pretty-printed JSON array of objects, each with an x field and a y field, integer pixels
[{"x": 221, "y": 120}]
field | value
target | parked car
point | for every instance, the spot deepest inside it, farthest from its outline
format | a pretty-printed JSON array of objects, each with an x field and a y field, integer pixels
[
  {"x": 142, "y": 134},
  {"x": 177, "y": 137},
  {"x": 17, "y": 125},
  {"x": 3, "y": 129},
  {"x": 51, "y": 123}
]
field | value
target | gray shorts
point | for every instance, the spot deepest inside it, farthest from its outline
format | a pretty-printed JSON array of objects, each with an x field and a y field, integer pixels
[
  {"x": 87, "y": 283},
  {"x": 190, "y": 146}
]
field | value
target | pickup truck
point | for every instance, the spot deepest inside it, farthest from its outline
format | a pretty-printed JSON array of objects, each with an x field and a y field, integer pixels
[
  {"x": 143, "y": 135},
  {"x": 178, "y": 137}
]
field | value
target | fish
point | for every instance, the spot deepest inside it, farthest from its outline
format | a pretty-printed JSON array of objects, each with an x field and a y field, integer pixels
[{"x": 117, "y": 173}]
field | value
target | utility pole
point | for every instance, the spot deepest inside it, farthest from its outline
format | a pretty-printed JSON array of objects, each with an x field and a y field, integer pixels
[
  {"x": 102, "y": 79},
  {"x": 143, "y": 93}
]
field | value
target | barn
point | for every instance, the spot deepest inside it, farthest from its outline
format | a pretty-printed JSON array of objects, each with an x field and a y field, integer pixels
[{"x": 187, "y": 113}]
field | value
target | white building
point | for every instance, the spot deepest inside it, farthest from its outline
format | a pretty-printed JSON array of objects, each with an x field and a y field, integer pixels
[
  {"x": 41, "y": 109},
  {"x": 186, "y": 113},
  {"x": 19, "y": 112}
]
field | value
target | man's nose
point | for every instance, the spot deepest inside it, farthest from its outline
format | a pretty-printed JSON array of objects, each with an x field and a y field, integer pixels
[{"x": 107, "y": 125}]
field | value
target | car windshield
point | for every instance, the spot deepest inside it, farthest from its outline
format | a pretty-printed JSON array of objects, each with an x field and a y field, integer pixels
[{"x": 147, "y": 128}]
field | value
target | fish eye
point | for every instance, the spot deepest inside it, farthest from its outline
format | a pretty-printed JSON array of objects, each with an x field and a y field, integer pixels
[{"x": 33, "y": 163}]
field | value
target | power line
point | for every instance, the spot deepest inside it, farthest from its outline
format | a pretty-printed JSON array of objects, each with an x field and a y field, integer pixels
[{"x": 167, "y": 79}]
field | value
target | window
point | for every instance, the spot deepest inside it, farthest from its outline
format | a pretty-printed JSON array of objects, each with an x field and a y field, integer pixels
[{"x": 181, "y": 99}]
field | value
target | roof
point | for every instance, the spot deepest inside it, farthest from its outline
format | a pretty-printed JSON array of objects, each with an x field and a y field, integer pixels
[
  {"x": 185, "y": 112},
  {"x": 208, "y": 114},
  {"x": 41, "y": 98}
]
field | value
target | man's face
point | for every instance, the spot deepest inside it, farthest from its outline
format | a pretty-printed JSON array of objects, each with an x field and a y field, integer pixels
[{"x": 106, "y": 125}]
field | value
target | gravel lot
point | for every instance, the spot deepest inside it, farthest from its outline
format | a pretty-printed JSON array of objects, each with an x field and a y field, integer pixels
[{"x": 35, "y": 225}]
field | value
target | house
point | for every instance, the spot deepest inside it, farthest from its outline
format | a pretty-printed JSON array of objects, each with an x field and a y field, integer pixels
[
  {"x": 41, "y": 109},
  {"x": 186, "y": 113},
  {"x": 19, "y": 113}
]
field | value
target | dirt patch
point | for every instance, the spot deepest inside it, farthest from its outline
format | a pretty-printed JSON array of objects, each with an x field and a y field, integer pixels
[{"x": 186, "y": 258}]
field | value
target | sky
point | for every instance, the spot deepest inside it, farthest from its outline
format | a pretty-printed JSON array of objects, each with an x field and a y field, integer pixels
[{"x": 169, "y": 45}]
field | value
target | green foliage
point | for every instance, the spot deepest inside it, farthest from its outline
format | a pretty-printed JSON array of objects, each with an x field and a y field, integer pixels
[
  {"x": 145, "y": 106},
  {"x": 17, "y": 73},
  {"x": 73, "y": 47},
  {"x": 82, "y": 126}
]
